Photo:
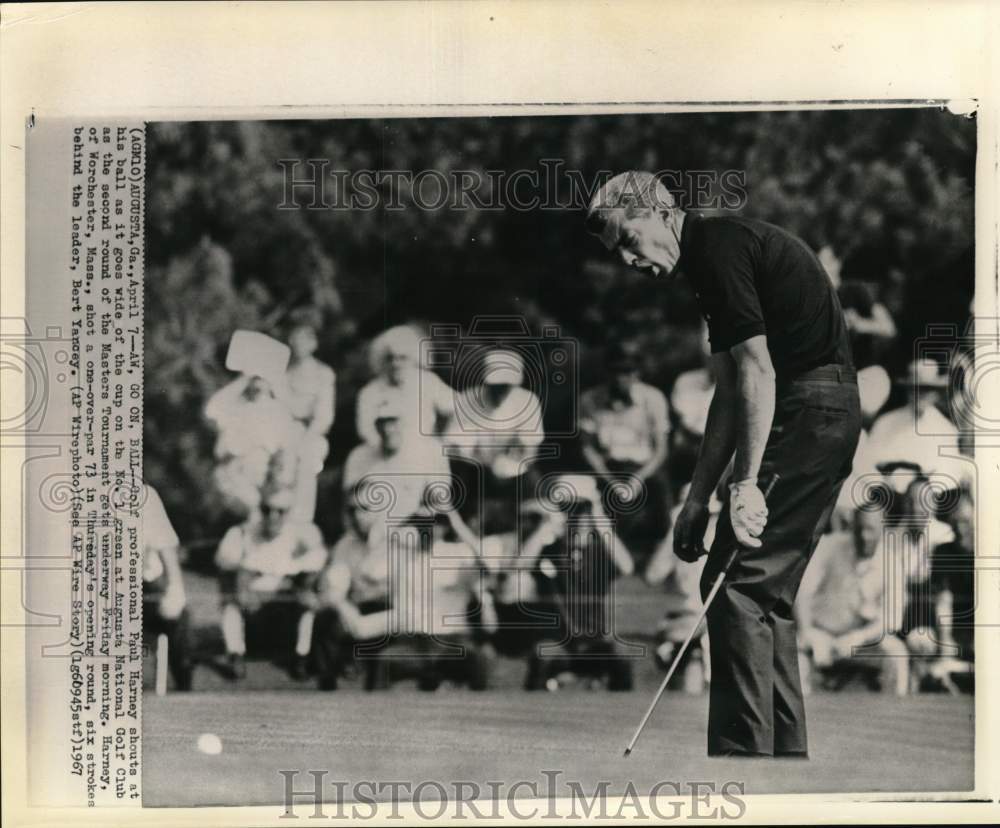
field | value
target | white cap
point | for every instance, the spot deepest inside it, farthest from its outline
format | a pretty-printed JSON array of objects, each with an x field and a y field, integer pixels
[
  {"x": 503, "y": 368},
  {"x": 257, "y": 354}
]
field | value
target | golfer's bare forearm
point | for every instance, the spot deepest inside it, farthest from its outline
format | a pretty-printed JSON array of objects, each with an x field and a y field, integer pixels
[
  {"x": 756, "y": 413},
  {"x": 755, "y": 377},
  {"x": 716, "y": 446}
]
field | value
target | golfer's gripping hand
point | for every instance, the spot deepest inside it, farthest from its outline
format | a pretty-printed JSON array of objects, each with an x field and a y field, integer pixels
[
  {"x": 747, "y": 512},
  {"x": 689, "y": 531}
]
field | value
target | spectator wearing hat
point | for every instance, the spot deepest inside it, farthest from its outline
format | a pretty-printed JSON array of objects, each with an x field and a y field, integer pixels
[
  {"x": 849, "y": 608},
  {"x": 354, "y": 584},
  {"x": 257, "y": 437},
  {"x": 555, "y": 602},
  {"x": 269, "y": 563},
  {"x": 311, "y": 387},
  {"x": 429, "y": 628},
  {"x": 914, "y": 433},
  {"x": 424, "y": 400},
  {"x": 625, "y": 430},
  {"x": 497, "y": 431},
  {"x": 399, "y": 465}
]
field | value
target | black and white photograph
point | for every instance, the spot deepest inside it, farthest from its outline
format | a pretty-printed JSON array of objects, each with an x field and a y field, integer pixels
[
  {"x": 499, "y": 411},
  {"x": 573, "y": 455}
]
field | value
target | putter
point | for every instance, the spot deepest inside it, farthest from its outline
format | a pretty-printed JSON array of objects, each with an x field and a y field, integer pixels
[{"x": 687, "y": 641}]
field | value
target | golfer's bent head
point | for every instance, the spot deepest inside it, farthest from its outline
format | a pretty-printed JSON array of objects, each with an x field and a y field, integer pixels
[{"x": 634, "y": 215}]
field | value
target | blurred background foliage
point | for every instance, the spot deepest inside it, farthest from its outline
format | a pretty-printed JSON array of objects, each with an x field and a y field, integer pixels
[{"x": 889, "y": 190}]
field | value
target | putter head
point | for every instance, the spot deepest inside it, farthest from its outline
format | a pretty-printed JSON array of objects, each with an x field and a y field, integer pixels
[{"x": 627, "y": 753}]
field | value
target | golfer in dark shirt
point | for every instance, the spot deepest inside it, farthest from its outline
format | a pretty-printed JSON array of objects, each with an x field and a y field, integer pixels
[{"x": 786, "y": 402}]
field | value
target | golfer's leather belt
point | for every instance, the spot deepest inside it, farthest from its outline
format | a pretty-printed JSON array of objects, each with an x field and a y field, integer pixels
[{"x": 835, "y": 373}]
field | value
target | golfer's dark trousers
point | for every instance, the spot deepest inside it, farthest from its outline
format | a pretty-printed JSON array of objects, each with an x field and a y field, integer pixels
[{"x": 756, "y": 705}]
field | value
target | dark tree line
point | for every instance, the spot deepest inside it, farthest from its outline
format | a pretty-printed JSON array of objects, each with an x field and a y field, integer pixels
[{"x": 889, "y": 190}]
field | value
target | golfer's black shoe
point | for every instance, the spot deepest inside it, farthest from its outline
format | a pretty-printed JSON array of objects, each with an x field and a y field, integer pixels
[
  {"x": 183, "y": 678},
  {"x": 236, "y": 667},
  {"x": 299, "y": 668}
]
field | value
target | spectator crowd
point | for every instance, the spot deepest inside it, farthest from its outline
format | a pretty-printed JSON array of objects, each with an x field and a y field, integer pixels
[{"x": 463, "y": 538}]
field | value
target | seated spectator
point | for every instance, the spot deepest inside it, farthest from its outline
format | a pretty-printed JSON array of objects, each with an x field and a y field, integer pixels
[
  {"x": 391, "y": 478},
  {"x": 625, "y": 429},
  {"x": 311, "y": 395},
  {"x": 425, "y": 401},
  {"x": 354, "y": 583},
  {"x": 849, "y": 608},
  {"x": 953, "y": 601},
  {"x": 163, "y": 597},
  {"x": 953, "y": 574},
  {"x": 257, "y": 436},
  {"x": 496, "y": 434},
  {"x": 270, "y": 562},
  {"x": 427, "y": 625},
  {"x": 681, "y": 584},
  {"x": 938, "y": 567},
  {"x": 554, "y": 600}
]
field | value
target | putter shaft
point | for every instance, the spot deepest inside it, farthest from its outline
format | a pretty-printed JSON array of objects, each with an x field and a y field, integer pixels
[{"x": 687, "y": 641}]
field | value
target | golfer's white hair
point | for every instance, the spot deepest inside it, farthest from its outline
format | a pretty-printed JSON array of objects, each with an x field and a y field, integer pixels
[
  {"x": 634, "y": 191},
  {"x": 401, "y": 339}
]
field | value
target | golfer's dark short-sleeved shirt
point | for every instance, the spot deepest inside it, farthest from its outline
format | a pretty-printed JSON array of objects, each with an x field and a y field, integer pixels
[{"x": 754, "y": 279}]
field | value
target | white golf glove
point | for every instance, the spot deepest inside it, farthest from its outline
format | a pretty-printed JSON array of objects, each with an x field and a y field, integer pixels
[{"x": 747, "y": 511}]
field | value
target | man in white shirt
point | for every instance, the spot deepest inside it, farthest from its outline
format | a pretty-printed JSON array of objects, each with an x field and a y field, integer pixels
[
  {"x": 850, "y": 605},
  {"x": 389, "y": 478},
  {"x": 496, "y": 433},
  {"x": 918, "y": 433},
  {"x": 355, "y": 583},
  {"x": 311, "y": 398},
  {"x": 498, "y": 421},
  {"x": 425, "y": 401},
  {"x": 271, "y": 560}
]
